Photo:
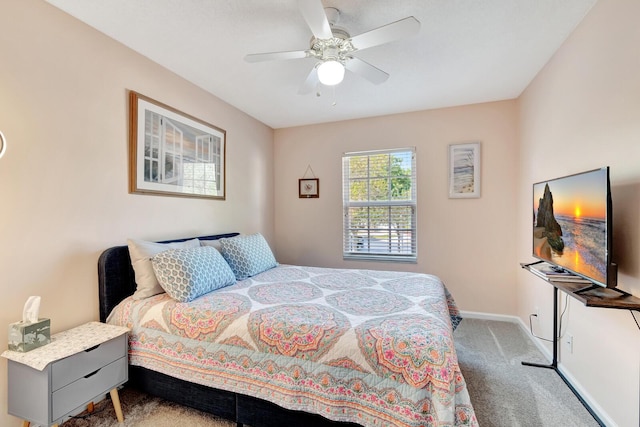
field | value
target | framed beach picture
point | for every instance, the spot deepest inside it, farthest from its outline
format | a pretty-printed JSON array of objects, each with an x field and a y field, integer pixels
[
  {"x": 464, "y": 170},
  {"x": 172, "y": 153}
]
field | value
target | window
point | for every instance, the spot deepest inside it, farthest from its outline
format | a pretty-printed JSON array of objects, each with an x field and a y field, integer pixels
[
  {"x": 179, "y": 154},
  {"x": 379, "y": 204}
]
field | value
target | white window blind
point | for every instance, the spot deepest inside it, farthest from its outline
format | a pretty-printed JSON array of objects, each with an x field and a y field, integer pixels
[{"x": 379, "y": 203}]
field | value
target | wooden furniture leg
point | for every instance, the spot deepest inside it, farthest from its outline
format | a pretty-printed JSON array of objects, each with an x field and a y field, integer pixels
[
  {"x": 90, "y": 408},
  {"x": 116, "y": 404},
  {"x": 28, "y": 424}
]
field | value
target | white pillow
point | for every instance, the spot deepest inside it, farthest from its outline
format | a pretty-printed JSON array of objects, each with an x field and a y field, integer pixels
[
  {"x": 141, "y": 253},
  {"x": 213, "y": 243}
]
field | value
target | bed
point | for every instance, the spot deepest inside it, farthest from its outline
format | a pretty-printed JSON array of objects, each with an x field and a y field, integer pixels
[{"x": 296, "y": 345}]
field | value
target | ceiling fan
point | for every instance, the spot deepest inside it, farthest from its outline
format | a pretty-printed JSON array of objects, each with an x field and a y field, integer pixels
[{"x": 333, "y": 47}]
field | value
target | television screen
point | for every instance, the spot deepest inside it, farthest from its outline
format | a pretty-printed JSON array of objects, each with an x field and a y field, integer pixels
[{"x": 572, "y": 223}]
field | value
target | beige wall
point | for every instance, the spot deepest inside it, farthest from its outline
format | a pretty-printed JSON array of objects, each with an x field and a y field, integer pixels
[
  {"x": 63, "y": 181},
  {"x": 469, "y": 243},
  {"x": 582, "y": 112}
]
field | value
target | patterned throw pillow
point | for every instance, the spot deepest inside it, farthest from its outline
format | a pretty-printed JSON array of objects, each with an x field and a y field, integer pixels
[
  {"x": 141, "y": 252},
  {"x": 247, "y": 255},
  {"x": 186, "y": 274}
]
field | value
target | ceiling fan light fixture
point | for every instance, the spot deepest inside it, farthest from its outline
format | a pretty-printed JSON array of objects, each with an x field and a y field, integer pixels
[{"x": 330, "y": 72}]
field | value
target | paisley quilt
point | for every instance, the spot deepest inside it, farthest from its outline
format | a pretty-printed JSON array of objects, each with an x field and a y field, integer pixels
[{"x": 370, "y": 347}]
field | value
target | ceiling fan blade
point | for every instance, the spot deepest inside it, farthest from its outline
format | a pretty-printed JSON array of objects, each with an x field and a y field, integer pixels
[
  {"x": 310, "y": 83},
  {"x": 313, "y": 12},
  {"x": 294, "y": 54},
  {"x": 366, "y": 70},
  {"x": 395, "y": 31}
]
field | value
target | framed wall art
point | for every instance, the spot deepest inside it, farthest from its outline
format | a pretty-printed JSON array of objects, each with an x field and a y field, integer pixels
[
  {"x": 308, "y": 188},
  {"x": 464, "y": 170},
  {"x": 172, "y": 153}
]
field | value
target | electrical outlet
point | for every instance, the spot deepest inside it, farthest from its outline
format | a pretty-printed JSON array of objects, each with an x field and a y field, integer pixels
[{"x": 568, "y": 340}]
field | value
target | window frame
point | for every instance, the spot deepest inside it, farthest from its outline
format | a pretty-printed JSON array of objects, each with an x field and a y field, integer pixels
[{"x": 348, "y": 252}]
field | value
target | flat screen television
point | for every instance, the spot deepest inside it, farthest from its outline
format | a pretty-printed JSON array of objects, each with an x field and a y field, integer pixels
[{"x": 572, "y": 227}]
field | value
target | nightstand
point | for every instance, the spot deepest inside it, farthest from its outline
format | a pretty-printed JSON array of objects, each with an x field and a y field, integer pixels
[{"x": 59, "y": 379}]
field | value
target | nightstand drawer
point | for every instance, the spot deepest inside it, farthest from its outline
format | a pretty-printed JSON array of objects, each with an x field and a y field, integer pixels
[
  {"x": 86, "y": 388},
  {"x": 74, "y": 367}
]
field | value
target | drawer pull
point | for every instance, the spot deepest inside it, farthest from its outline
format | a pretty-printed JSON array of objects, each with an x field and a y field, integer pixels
[
  {"x": 92, "y": 373},
  {"x": 91, "y": 348}
]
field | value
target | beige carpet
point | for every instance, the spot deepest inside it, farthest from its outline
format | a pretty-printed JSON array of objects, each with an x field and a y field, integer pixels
[{"x": 505, "y": 393}]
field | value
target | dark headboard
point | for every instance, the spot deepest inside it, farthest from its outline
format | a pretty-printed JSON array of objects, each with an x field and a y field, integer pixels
[{"x": 116, "y": 279}]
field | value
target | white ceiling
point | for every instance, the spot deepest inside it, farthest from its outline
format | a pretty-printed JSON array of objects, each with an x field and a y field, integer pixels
[{"x": 467, "y": 51}]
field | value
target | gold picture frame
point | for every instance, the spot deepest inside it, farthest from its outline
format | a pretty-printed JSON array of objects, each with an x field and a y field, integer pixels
[
  {"x": 308, "y": 188},
  {"x": 172, "y": 153}
]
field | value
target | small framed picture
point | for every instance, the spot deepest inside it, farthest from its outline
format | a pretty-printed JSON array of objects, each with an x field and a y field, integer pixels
[
  {"x": 464, "y": 170},
  {"x": 308, "y": 188}
]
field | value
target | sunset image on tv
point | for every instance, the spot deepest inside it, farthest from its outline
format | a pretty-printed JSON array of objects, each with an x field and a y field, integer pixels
[{"x": 570, "y": 223}]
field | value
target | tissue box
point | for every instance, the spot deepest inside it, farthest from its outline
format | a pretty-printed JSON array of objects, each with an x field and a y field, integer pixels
[{"x": 24, "y": 336}]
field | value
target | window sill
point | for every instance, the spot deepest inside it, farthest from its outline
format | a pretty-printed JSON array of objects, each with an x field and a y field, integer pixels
[{"x": 380, "y": 258}]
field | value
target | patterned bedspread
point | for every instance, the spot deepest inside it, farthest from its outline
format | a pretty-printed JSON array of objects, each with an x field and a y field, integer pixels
[{"x": 370, "y": 347}]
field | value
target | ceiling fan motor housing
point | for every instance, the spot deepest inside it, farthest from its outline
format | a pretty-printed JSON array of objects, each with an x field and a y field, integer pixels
[{"x": 337, "y": 48}]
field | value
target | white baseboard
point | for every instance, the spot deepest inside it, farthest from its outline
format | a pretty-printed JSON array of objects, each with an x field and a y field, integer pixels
[
  {"x": 488, "y": 316},
  {"x": 507, "y": 318},
  {"x": 595, "y": 407}
]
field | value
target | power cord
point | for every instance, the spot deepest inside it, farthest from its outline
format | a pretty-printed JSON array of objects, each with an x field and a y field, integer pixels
[
  {"x": 564, "y": 310},
  {"x": 634, "y": 318},
  {"x": 89, "y": 414},
  {"x": 531, "y": 328}
]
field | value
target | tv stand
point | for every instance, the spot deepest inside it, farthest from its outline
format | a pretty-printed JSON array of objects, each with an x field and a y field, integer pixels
[
  {"x": 592, "y": 287},
  {"x": 588, "y": 288},
  {"x": 591, "y": 296},
  {"x": 526, "y": 266}
]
